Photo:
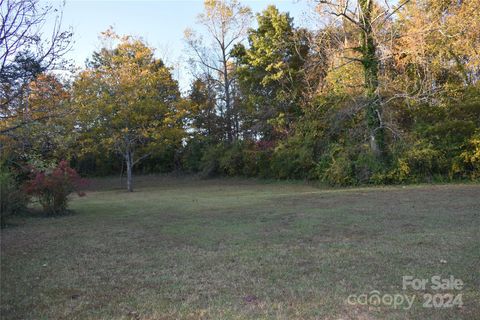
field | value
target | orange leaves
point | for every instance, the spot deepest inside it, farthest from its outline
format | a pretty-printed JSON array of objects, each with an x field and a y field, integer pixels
[{"x": 47, "y": 95}]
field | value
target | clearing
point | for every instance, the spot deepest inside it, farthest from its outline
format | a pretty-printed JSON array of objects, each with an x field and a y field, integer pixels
[{"x": 180, "y": 248}]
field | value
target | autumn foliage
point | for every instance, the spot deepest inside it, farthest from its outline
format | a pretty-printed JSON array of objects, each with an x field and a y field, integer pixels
[
  {"x": 377, "y": 93},
  {"x": 52, "y": 187}
]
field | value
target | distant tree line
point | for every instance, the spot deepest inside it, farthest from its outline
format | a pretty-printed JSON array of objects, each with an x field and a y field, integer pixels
[{"x": 381, "y": 93}]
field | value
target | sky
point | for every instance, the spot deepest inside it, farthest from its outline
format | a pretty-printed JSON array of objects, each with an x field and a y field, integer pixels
[{"x": 160, "y": 23}]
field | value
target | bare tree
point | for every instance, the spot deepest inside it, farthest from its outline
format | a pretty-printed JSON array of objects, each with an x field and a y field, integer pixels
[{"x": 226, "y": 22}]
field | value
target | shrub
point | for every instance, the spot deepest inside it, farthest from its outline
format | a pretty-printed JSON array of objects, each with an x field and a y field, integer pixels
[
  {"x": 52, "y": 187},
  {"x": 210, "y": 163},
  {"x": 12, "y": 198},
  {"x": 293, "y": 160},
  {"x": 192, "y": 154},
  {"x": 470, "y": 158},
  {"x": 257, "y": 159},
  {"x": 232, "y": 160},
  {"x": 423, "y": 161},
  {"x": 418, "y": 163},
  {"x": 334, "y": 167},
  {"x": 367, "y": 166},
  {"x": 340, "y": 172}
]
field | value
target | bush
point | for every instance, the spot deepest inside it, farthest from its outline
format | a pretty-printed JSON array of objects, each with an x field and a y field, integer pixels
[
  {"x": 52, "y": 187},
  {"x": 231, "y": 161},
  {"x": 210, "y": 163},
  {"x": 293, "y": 160},
  {"x": 366, "y": 166},
  {"x": 242, "y": 158},
  {"x": 335, "y": 168},
  {"x": 12, "y": 198},
  {"x": 470, "y": 158},
  {"x": 192, "y": 154},
  {"x": 257, "y": 159},
  {"x": 421, "y": 162}
]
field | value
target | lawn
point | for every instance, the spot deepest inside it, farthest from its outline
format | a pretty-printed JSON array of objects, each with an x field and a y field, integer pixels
[{"x": 180, "y": 248}]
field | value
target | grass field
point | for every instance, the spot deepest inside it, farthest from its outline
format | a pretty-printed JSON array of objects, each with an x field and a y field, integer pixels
[{"x": 242, "y": 249}]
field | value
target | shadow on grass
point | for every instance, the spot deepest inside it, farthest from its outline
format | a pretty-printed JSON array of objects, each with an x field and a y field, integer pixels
[{"x": 21, "y": 218}]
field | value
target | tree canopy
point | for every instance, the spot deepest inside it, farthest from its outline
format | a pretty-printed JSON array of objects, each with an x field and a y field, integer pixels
[
  {"x": 370, "y": 93},
  {"x": 127, "y": 101}
]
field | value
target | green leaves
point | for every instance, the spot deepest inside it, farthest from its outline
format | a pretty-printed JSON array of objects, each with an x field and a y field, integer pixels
[
  {"x": 127, "y": 99},
  {"x": 270, "y": 70}
]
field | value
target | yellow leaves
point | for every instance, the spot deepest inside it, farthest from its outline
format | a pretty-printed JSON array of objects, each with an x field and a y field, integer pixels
[
  {"x": 471, "y": 156},
  {"x": 345, "y": 77},
  {"x": 128, "y": 98},
  {"x": 438, "y": 34},
  {"x": 47, "y": 86},
  {"x": 47, "y": 97},
  {"x": 218, "y": 8},
  {"x": 225, "y": 19}
]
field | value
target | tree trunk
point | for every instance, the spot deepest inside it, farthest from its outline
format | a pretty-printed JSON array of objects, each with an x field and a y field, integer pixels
[
  {"x": 228, "y": 102},
  {"x": 370, "y": 66},
  {"x": 129, "y": 164}
]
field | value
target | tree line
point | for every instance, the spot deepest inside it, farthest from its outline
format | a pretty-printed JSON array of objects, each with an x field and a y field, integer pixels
[{"x": 380, "y": 93}]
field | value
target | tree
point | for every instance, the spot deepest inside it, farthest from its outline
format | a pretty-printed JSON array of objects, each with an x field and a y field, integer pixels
[
  {"x": 438, "y": 45},
  {"x": 127, "y": 101},
  {"x": 226, "y": 23},
  {"x": 26, "y": 53},
  {"x": 367, "y": 18},
  {"x": 203, "y": 118},
  {"x": 48, "y": 133},
  {"x": 270, "y": 71}
]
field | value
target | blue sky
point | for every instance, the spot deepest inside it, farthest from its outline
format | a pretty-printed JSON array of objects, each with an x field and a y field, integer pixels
[{"x": 161, "y": 23}]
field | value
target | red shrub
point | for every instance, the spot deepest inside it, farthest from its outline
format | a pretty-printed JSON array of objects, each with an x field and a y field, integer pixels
[{"x": 52, "y": 188}]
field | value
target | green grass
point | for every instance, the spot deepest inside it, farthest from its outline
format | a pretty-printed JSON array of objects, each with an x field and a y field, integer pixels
[{"x": 241, "y": 249}]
